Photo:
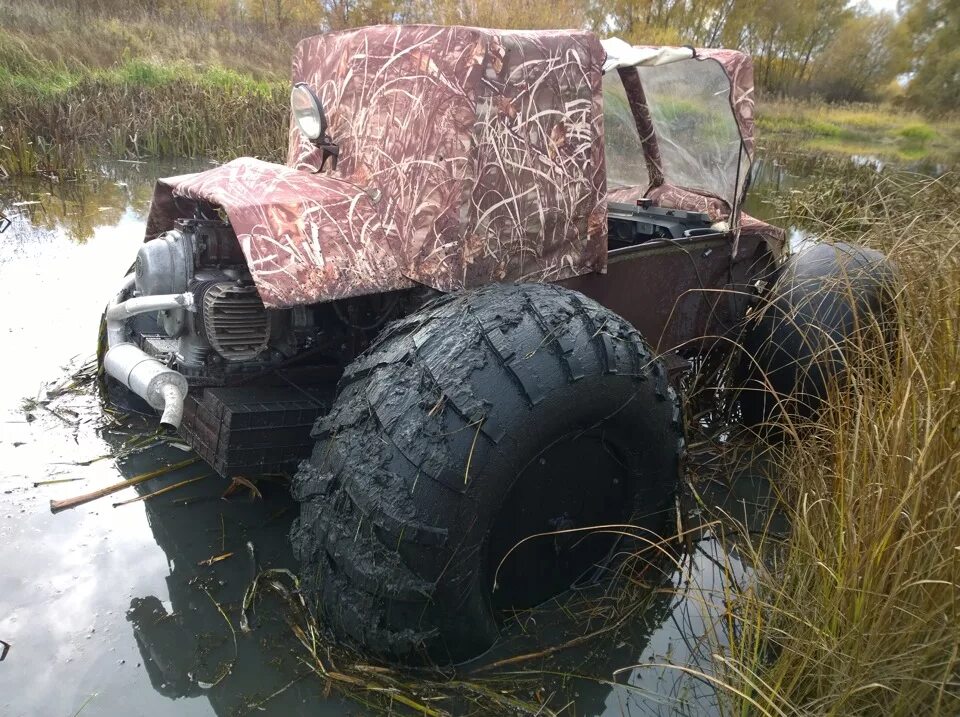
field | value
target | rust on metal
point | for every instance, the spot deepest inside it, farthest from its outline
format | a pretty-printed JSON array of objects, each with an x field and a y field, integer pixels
[{"x": 676, "y": 293}]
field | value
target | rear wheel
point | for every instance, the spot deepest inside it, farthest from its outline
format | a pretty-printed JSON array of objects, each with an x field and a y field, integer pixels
[
  {"x": 484, "y": 419},
  {"x": 830, "y": 302}
]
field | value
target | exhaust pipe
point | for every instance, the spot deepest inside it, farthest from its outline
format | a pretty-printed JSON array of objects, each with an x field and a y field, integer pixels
[
  {"x": 160, "y": 386},
  {"x": 143, "y": 304}
]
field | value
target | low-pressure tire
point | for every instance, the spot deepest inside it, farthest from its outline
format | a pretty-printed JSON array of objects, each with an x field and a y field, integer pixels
[
  {"x": 829, "y": 300},
  {"x": 484, "y": 418}
]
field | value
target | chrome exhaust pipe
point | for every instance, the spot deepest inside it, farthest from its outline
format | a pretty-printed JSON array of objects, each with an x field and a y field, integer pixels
[{"x": 160, "y": 386}]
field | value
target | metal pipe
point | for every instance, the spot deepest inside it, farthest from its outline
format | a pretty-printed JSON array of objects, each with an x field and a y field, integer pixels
[
  {"x": 117, "y": 330},
  {"x": 146, "y": 304},
  {"x": 163, "y": 388},
  {"x": 173, "y": 396},
  {"x": 160, "y": 386}
]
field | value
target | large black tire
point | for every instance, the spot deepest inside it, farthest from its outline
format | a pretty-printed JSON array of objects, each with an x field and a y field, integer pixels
[
  {"x": 487, "y": 416},
  {"x": 829, "y": 300}
]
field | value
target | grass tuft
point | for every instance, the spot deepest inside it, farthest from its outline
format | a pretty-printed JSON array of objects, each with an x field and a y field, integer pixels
[{"x": 917, "y": 133}]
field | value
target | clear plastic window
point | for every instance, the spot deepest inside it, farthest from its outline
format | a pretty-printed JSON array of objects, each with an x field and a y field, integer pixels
[
  {"x": 696, "y": 130},
  {"x": 697, "y": 133},
  {"x": 626, "y": 166}
]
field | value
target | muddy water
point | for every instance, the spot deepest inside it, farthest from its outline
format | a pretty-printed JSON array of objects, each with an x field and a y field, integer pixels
[{"x": 123, "y": 610}]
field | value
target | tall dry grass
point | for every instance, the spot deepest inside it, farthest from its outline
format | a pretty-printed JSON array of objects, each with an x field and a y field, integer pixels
[
  {"x": 858, "y": 610},
  {"x": 77, "y": 84},
  {"x": 138, "y": 110}
]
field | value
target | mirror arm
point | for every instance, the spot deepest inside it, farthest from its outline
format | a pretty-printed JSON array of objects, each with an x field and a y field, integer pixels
[{"x": 328, "y": 150}]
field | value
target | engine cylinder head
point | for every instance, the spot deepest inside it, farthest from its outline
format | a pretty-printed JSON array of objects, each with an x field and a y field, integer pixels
[{"x": 234, "y": 320}]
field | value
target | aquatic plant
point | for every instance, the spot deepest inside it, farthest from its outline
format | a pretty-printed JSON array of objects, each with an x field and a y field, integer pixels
[{"x": 137, "y": 109}]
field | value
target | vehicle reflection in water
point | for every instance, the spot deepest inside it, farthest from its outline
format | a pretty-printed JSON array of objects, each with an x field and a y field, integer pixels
[
  {"x": 104, "y": 588},
  {"x": 214, "y": 548}
]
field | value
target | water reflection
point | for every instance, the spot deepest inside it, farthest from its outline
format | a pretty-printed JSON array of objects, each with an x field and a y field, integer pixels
[
  {"x": 671, "y": 674},
  {"x": 75, "y": 209},
  {"x": 676, "y": 622},
  {"x": 214, "y": 548},
  {"x": 107, "y": 609},
  {"x": 61, "y": 258}
]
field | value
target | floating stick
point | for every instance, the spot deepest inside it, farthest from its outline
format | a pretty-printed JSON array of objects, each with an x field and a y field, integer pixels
[{"x": 57, "y": 505}]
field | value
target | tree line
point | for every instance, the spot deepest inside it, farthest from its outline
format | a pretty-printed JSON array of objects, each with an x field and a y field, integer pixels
[{"x": 833, "y": 49}]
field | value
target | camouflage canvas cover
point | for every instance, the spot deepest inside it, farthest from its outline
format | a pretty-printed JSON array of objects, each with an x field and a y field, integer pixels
[
  {"x": 466, "y": 156},
  {"x": 698, "y": 107},
  {"x": 306, "y": 237}
]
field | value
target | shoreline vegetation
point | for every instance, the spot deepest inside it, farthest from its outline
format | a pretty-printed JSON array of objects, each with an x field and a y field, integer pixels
[
  {"x": 78, "y": 84},
  {"x": 58, "y": 122},
  {"x": 856, "y": 609},
  {"x": 80, "y": 81},
  {"x": 61, "y": 122},
  {"x": 886, "y": 132}
]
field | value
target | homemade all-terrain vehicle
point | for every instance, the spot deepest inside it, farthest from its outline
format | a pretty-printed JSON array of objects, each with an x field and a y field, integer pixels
[{"x": 457, "y": 313}]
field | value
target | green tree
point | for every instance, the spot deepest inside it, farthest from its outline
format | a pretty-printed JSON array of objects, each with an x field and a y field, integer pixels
[
  {"x": 934, "y": 49},
  {"x": 861, "y": 60},
  {"x": 783, "y": 37}
]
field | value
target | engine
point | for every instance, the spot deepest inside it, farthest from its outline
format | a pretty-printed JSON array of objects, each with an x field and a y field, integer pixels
[
  {"x": 229, "y": 330},
  {"x": 226, "y": 334},
  {"x": 189, "y": 334}
]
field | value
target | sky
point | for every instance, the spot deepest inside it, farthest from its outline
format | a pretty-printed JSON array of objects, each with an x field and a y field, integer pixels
[{"x": 883, "y": 5}]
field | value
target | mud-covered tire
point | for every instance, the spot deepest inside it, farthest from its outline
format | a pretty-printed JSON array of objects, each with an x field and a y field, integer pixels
[
  {"x": 828, "y": 300},
  {"x": 439, "y": 433}
]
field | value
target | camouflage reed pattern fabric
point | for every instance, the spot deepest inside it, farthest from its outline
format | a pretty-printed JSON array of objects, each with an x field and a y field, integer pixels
[
  {"x": 484, "y": 146},
  {"x": 306, "y": 237},
  {"x": 466, "y": 156},
  {"x": 738, "y": 68}
]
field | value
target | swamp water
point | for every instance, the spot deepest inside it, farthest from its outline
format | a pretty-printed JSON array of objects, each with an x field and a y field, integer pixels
[{"x": 136, "y": 609}]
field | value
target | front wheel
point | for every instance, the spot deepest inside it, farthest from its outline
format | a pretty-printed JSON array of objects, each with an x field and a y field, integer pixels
[{"x": 485, "y": 419}]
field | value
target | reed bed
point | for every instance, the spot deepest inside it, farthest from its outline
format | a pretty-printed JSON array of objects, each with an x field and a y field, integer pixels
[
  {"x": 857, "y": 611},
  {"x": 63, "y": 123}
]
